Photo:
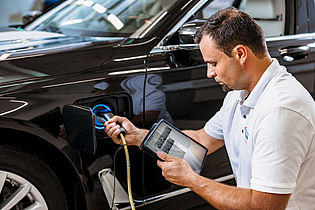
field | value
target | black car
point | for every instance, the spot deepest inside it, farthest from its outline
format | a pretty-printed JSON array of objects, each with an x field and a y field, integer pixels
[{"x": 138, "y": 58}]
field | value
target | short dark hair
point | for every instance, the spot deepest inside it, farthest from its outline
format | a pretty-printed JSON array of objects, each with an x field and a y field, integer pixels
[{"x": 229, "y": 27}]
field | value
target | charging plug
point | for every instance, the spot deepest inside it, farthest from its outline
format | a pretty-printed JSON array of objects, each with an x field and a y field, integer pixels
[
  {"x": 102, "y": 114},
  {"x": 105, "y": 116}
]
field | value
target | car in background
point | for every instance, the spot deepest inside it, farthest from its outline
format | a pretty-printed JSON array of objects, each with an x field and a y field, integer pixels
[
  {"x": 138, "y": 58},
  {"x": 14, "y": 13}
]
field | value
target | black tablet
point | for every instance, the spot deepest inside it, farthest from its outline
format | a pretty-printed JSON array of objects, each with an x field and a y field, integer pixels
[{"x": 164, "y": 137}]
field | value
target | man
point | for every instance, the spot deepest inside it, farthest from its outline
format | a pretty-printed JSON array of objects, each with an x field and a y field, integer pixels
[{"x": 266, "y": 123}]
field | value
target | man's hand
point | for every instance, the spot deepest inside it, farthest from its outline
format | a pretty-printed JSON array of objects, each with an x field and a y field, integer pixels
[
  {"x": 134, "y": 135},
  {"x": 175, "y": 170}
]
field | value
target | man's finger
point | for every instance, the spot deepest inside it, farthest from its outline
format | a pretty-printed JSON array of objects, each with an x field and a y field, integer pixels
[
  {"x": 118, "y": 119},
  {"x": 164, "y": 156},
  {"x": 108, "y": 126},
  {"x": 159, "y": 163},
  {"x": 114, "y": 119}
]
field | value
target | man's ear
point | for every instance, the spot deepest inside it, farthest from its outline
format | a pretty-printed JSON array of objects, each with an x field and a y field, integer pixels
[{"x": 240, "y": 53}]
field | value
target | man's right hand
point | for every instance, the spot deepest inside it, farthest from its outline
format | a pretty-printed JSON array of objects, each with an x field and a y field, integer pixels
[{"x": 134, "y": 135}]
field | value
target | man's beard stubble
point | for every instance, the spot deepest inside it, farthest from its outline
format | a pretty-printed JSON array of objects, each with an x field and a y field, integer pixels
[{"x": 225, "y": 88}]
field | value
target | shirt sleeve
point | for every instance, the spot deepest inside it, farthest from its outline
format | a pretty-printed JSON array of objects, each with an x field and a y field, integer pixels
[
  {"x": 282, "y": 139},
  {"x": 214, "y": 126}
]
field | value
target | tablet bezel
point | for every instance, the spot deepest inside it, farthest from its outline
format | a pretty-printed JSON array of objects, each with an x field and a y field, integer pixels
[{"x": 149, "y": 151}]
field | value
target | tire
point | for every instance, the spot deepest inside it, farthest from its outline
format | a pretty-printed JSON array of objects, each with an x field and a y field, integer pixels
[{"x": 27, "y": 182}]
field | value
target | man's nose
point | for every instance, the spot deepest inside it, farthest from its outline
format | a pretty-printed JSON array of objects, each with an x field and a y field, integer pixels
[{"x": 210, "y": 72}]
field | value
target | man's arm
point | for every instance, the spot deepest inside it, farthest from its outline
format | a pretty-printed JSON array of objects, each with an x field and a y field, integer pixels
[
  {"x": 134, "y": 135},
  {"x": 221, "y": 196},
  {"x": 228, "y": 197},
  {"x": 211, "y": 143}
]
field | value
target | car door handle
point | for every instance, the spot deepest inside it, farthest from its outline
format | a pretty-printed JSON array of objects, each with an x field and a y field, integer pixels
[{"x": 294, "y": 53}]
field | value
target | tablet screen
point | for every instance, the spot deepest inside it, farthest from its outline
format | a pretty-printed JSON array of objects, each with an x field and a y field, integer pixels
[{"x": 168, "y": 139}]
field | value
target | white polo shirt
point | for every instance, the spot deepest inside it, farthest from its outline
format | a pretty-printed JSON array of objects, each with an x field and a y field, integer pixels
[{"x": 270, "y": 136}]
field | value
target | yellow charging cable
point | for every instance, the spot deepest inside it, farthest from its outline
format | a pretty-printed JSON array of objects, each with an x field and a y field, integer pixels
[{"x": 128, "y": 171}]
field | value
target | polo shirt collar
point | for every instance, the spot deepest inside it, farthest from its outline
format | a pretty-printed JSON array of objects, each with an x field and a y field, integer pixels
[{"x": 250, "y": 102}]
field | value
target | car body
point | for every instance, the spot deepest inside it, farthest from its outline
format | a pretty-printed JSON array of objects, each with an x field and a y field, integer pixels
[{"x": 145, "y": 70}]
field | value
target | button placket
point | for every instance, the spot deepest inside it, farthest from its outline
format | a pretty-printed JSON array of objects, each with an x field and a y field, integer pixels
[{"x": 243, "y": 121}]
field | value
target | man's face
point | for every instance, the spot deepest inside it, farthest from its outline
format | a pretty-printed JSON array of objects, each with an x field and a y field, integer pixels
[{"x": 225, "y": 70}]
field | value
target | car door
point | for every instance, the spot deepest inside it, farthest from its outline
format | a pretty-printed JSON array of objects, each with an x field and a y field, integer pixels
[
  {"x": 294, "y": 46},
  {"x": 177, "y": 86},
  {"x": 188, "y": 99}
]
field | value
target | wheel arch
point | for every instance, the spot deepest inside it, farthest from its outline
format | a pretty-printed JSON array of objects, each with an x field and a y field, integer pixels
[{"x": 64, "y": 161}]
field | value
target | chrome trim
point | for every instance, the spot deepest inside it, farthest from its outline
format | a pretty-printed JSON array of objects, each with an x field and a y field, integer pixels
[
  {"x": 311, "y": 44},
  {"x": 189, "y": 46},
  {"x": 162, "y": 49},
  {"x": 287, "y": 37},
  {"x": 185, "y": 5},
  {"x": 170, "y": 48},
  {"x": 109, "y": 182},
  {"x": 138, "y": 71},
  {"x": 188, "y": 31},
  {"x": 182, "y": 191},
  {"x": 295, "y": 50},
  {"x": 129, "y": 58},
  {"x": 106, "y": 178},
  {"x": 141, "y": 35},
  {"x": 133, "y": 71}
]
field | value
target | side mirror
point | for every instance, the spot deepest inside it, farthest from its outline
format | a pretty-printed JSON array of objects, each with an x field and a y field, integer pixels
[
  {"x": 187, "y": 31},
  {"x": 30, "y": 16}
]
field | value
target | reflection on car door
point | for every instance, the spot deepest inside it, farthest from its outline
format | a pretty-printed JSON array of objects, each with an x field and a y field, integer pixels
[
  {"x": 190, "y": 99},
  {"x": 187, "y": 99}
]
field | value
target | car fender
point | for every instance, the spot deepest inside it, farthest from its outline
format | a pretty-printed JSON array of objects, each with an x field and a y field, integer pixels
[{"x": 56, "y": 152}]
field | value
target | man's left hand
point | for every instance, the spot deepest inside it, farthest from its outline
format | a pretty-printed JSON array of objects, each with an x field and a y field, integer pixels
[{"x": 175, "y": 170}]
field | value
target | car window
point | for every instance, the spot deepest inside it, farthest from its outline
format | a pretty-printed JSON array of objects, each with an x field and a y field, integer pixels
[
  {"x": 213, "y": 7},
  {"x": 311, "y": 14},
  {"x": 203, "y": 12},
  {"x": 269, "y": 14},
  {"x": 100, "y": 17}
]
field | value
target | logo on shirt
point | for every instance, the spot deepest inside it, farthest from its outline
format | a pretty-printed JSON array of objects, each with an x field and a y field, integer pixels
[{"x": 246, "y": 135}]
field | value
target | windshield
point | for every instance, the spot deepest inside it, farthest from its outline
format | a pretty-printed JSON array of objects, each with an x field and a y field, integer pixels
[{"x": 100, "y": 17}]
